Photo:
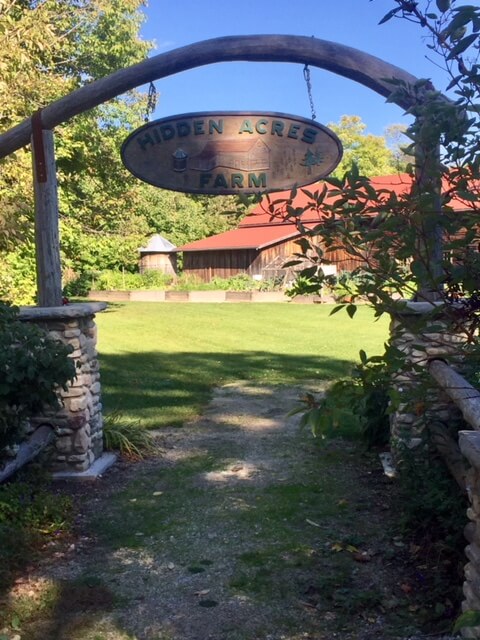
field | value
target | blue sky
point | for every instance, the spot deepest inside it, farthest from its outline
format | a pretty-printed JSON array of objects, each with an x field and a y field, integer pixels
[{"x": 276, "y": 86}]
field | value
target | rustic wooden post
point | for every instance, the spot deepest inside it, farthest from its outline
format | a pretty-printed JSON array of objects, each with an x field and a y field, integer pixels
[
  {"x": 429, "y": 188},
  {"x": 49, "y": 277}
]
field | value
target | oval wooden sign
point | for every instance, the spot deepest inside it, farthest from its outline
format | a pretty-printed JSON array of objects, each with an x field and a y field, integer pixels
[{"x": 231, "y": 152}]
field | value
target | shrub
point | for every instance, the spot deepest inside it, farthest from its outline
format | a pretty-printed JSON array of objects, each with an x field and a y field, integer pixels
[
  {"x": 32, "y": 367},
  {"x": 357, "y": 405},
  {"x": 29, "y": 513},
  {"x": 127, "y": 437},
  {"x": 238, "y": 282},
  {"x": 80, "y": 284},
  {"x": 125, "y": 281},
  {"x": 17, "y": 276},
  {"x": 151, "y": 279},
  {"x": 432, "y": 508}
]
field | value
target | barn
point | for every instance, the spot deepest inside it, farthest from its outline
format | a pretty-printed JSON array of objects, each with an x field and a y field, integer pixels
[
  {"x": 263, "y": 242},
  {"x": 259, "y": 246}
]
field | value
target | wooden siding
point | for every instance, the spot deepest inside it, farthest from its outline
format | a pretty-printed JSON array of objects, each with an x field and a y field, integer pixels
[
  {"x": 225, "y": 263},
  {"x": 164, "y": 262}
]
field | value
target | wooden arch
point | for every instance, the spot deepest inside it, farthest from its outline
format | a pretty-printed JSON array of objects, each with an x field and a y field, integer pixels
[
  {"x": 351, "y": 63},
  {"x": 337, "y": 58}
]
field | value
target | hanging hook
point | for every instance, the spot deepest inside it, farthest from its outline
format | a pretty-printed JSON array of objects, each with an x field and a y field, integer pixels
[
  {"x": 151, "y": 101},
  {"x": 306, "y": 75}
]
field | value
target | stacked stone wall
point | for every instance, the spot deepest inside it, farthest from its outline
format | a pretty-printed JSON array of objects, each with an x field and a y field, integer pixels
[
  {"x": 470, "y": 446},
  {"x": 434, "y": 405},
  {"x": 78, "y": 424},
  {"x": 421, "y": 399}
]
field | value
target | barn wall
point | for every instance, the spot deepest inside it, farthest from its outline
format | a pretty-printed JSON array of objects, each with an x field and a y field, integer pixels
[{"x": 205, "y": 265}]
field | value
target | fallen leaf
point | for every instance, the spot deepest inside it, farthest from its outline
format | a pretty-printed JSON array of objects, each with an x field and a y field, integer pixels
[
  {"x": 336, "y": 546},
  {"x": 406, "y": 588},
  {"x": 204, "y": 592},
  {"x": 314, "y": 524},
  {"x": 157, "y": 493}
]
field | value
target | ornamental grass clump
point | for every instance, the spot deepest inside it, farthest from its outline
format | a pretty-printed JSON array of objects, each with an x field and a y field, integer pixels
[
  {"x": 128, "y": 437},
  {"x": 33, "y": 367}
]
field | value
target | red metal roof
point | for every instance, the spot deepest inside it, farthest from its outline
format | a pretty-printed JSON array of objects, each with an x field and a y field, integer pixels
[
  {"x": 259, "y": 229},
  {"x": 400, "y": 183},
  {"x": 251, "y": 237}
]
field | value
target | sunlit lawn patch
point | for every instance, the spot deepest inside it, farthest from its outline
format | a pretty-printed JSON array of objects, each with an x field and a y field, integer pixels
[{"x": 159, "y": 362}]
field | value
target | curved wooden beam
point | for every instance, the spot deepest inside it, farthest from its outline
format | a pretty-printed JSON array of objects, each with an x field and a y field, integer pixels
[{"x": 340, "y": 59}]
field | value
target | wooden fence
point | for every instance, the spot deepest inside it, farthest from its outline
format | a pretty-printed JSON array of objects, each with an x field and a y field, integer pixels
[{"x": 463, "y": 459}]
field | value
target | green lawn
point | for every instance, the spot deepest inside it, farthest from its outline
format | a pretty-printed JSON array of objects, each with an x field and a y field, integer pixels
[{"x": 159, "y": 362}]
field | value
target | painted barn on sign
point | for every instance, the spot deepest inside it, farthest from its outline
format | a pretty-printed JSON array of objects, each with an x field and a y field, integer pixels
[
  {"x": 158, "y": 255},
  {"x": 244, "y": 155}
]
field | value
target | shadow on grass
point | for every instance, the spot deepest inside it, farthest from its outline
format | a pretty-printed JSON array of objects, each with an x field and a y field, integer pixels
[
  {"x": 159, "y": 389},
  {"x": 163, "y": 389}
]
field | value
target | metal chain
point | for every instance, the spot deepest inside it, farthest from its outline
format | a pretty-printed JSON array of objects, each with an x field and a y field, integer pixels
[
  {"x": 151, "y": 101},
  {"x": 306, "y": 75}
]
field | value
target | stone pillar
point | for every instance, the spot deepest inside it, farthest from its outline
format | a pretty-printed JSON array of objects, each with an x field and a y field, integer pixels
[
  {"x": 470, "y": 447},
  {"x": 78, "y": 424},
  {"x": 420, "y": 397}
]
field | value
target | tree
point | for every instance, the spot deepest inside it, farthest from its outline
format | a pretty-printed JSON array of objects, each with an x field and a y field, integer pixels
[
  {"x": 47, "y": 49},
  {"x": 395, "y": 135},
  {"x": 416, "y": 245},
  {"x": 368, "y": 152},
  {"x": 396, "y": 237}
]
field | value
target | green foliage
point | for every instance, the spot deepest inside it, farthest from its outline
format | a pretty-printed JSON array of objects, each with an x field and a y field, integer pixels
[
  {"x": 184, "y": 218},
  {"x": 345, "y": 286},
  {"x": 238, "y": 282},
  {"x": 32, "y": 367},
  {"x": 17, "y": 275},
  {"x": 30, "y": 513},
  {"x": 303, "y": 285},
  {"x": 432, "y": 510},
  {"x": 357, "y": 405},
  {"x": 124, "y": 281},
  {"x": 415, "y": 244},
  {"x": 151, "y": 279},
  {"x": 47, "y": 50},
  {"x": 370, "y": 153},
  {"x": 126, "y": 436},
  {"x": 467, "y": 619}
]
